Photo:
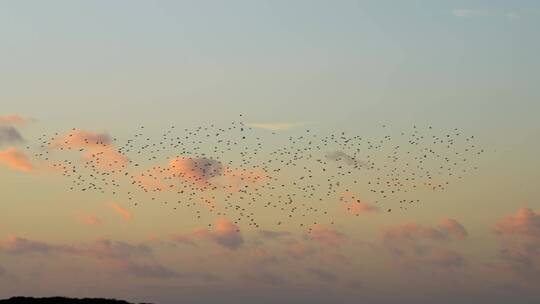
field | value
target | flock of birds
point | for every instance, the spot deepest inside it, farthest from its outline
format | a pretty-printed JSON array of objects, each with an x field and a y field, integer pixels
[{"x": 257, "y": 177}]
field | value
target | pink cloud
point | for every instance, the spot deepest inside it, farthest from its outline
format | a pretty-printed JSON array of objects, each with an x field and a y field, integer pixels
[
  {"x": 447, "y": 229},
  {"x": 224, "y": 233},
  {"x": 236, "y": 179},
  {"x": 525, "y": 223},
  {"x": 326, "y": 236},
  {"x": 198, "y": 171},
  {"x": 354, "y": 206},
  {"x": 15, "y": 159},
  {"x": 98, "y": 148},
  {"x": 17, "y": 245},
  {"x": 13, "y": 119},
  {"x": 123, "y": 212},
  {"x": 453, "y": 228},
  {"x": 519, "y": 238},
  {"x": 418, "y": 245}
]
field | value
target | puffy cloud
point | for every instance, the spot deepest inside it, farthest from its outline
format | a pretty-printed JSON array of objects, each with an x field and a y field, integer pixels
[
  {"x": 326, "y": 236},
  {"x": 79, "y": 139},
  {"x": 224, "y": 233},
  {"x": 199, "y": 170},
  {"x": 136, "y": 260},
  {"x": 519, "y": 237},
  {"x": 203, "y": 174},
  {"x": 525, "y": 223},
  {"x": 15, "y": 159},
  {"x": 10, "y": 135},
  {"x": 447, "y": 229},
  {"x": 453, "y": 228},
  {"x": 417, "y": 245},
  {"x": 122, "y": 211},
  {"x": 98, "y": 148},
  {"x": 275, "y": 126}
]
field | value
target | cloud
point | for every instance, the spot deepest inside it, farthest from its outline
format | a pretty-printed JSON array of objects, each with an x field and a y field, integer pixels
[
  {"x": 416, "y": 245},
  {"x": 224, "y": 233},
  {"x": 199, "y": 171},
  {"x": 122, "y": 211},
  {"x": 13, "y": 119},
  {"x": 338, "y": 156},
  {"x": 15, "y": 159},
  {"x": 89, "y": 219},
  {"x": 268, "y": 234},
  {"x": 77, "y": 139},
  {"x": 262, "y": 256},
  {"x": 326, "y": 236},
  {"x": 447, "y": 229},
  {"x": 468, "y": 13},
  {"x": 18, "y": 245},
  {"x": 132, "y": 259},
  {"x": 453, "y": 228},
  {"x": 353, "y": 205},
  {"x": 183, "y": 239},
  {"x": 266, "y": 278},
  {"x": 275, "y": 126},
  {"x": 98, "y": 148},
  {"x": 519, "y": 238},
  {"x": 10, "y": 135},
  {"x": 474, "y": 13},
  {"x": 235, "y": 180},
  {"x": 298, "y": 250},
  {"x": 150, "y": 270},
  {"x": 113, "y": 250},
  {"x": 322, "y": 275}
]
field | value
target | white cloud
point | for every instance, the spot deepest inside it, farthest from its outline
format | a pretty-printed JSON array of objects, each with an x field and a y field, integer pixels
[
  {"x": 280, "y": 126},
  {"x": 465, "y": 13}
]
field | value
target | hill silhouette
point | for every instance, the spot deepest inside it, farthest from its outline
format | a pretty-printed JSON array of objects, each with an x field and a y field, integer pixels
[{"x": 61, "y": 300}]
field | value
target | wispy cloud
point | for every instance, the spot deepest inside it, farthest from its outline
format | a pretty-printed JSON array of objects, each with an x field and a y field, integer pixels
[
  {"x": 509, "y": 14},
  {"x": 14, "y": 119},
  {"x": 15, "y": 159},
  {"x": 276, "y": 126},
  {"x": 467, "y": 12},
  {"x": 122, "y": 211}
]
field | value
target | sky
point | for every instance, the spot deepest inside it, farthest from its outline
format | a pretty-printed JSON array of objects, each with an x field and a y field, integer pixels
[{"x": 110, "y": 67}]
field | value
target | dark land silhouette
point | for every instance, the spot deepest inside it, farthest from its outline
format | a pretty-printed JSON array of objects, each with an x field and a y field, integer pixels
[{"x": 61, "y": 300}]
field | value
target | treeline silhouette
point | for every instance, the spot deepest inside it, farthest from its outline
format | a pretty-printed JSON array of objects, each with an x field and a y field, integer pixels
[{"x": 61, "y": 300}]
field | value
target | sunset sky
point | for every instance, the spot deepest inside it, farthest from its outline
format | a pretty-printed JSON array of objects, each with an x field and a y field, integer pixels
[{"x": 106, "y": 68}]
